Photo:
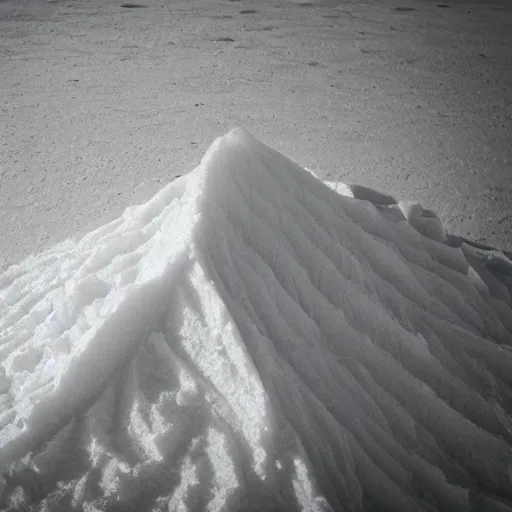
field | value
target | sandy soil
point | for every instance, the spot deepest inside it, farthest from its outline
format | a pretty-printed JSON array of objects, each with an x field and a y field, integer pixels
[{"x": 101, "y": 105}]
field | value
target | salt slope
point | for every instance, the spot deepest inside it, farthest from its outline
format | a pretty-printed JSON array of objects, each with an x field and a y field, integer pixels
[{"x": 250, "y": 339}]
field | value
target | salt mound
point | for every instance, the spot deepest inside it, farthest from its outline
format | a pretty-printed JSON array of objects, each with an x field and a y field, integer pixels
[{"x": 251, "y": 339}]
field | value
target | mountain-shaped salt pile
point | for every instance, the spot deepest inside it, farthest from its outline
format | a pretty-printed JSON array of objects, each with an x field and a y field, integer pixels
[{"x": 250, "y": 339}]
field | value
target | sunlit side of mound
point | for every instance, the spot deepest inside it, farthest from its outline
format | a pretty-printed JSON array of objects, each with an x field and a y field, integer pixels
[{"x": 252, "y": 339}]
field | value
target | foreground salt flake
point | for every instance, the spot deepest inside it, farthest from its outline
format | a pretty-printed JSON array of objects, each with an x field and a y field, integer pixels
[{"x": 252, "y": 339}]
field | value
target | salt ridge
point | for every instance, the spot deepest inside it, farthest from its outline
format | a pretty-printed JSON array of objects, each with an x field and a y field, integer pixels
[{"x": 252, "y": 339}]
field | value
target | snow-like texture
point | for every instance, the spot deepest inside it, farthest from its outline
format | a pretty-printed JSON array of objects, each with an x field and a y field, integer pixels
[{"x": 251, "y": 339}]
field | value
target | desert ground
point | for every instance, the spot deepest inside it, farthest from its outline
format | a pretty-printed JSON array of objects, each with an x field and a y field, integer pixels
[{"x": 103, "y": 102}]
